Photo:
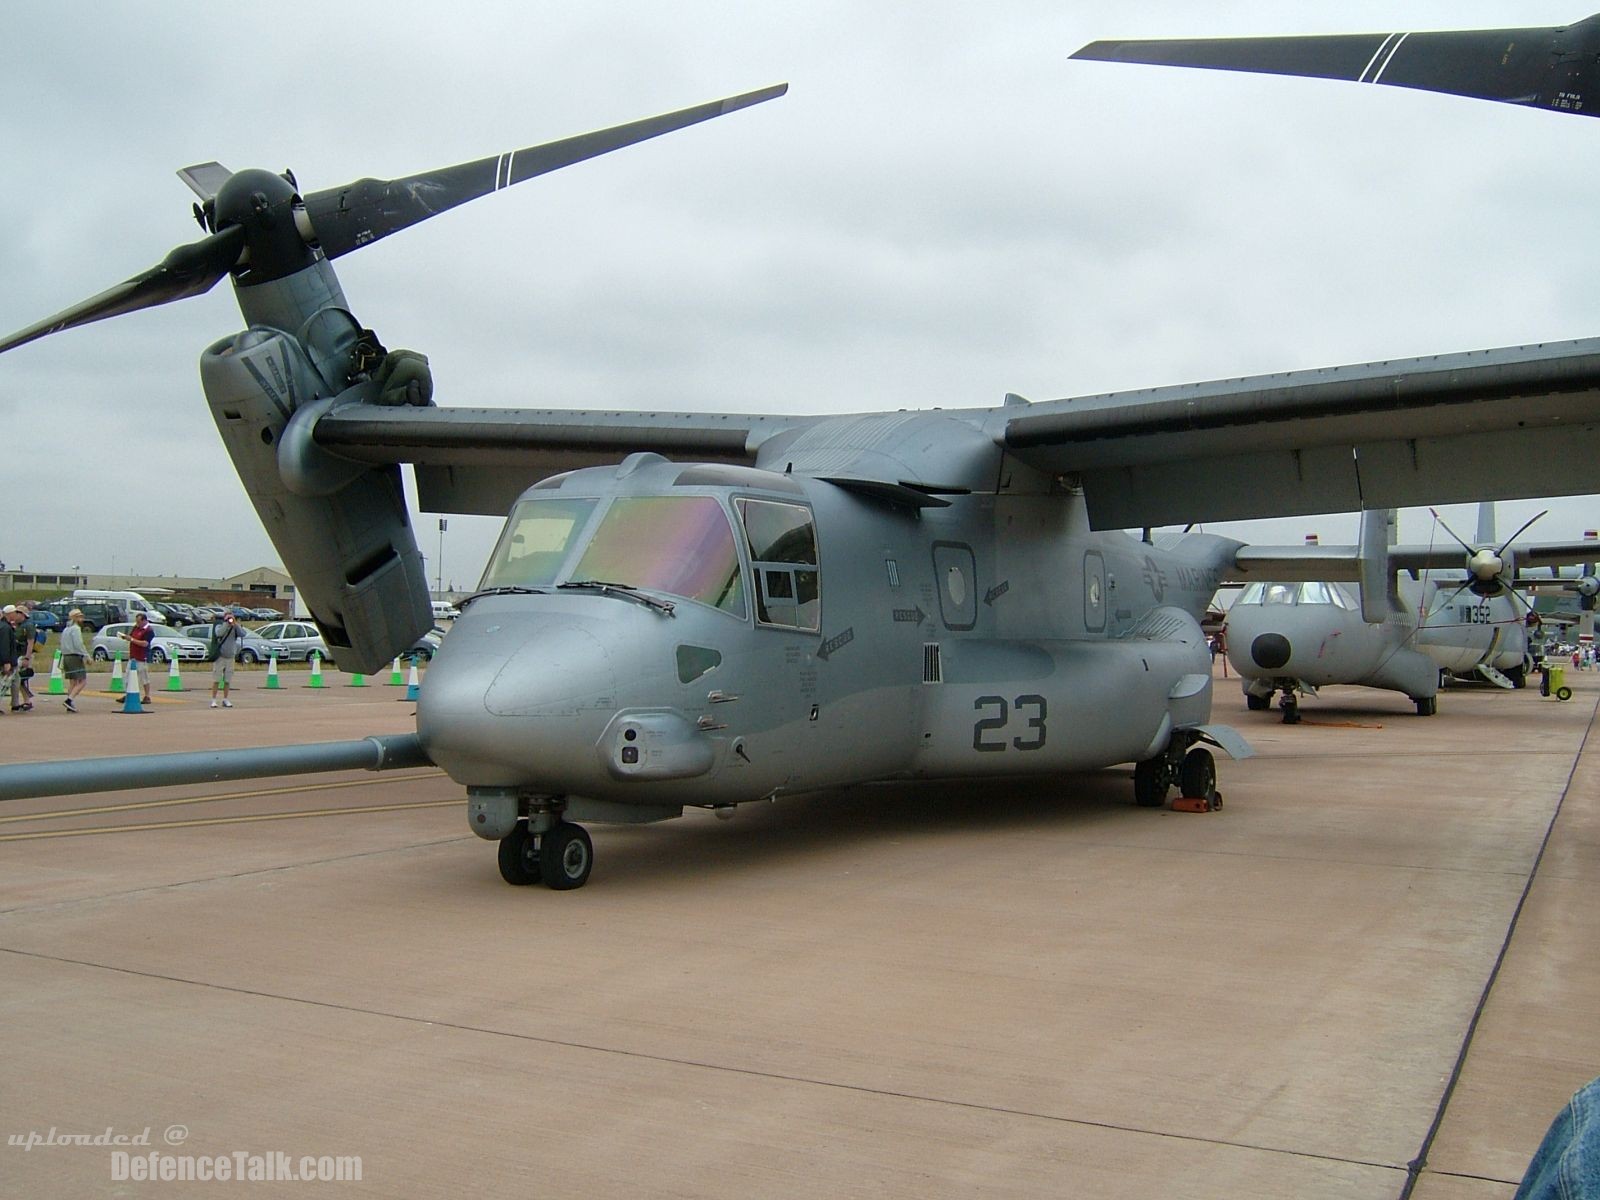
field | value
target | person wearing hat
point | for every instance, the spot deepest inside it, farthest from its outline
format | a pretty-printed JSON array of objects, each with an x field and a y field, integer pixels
[
  {"x": 74, "y": 658},
  {"x": 225, "y": 633},
  {"x": 27, "y": 637},
  {"x": 139, "y": 639}
]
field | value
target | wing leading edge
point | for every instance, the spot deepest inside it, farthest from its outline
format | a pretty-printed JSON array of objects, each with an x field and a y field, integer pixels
[
  {"x": 1484, "y": 425},
  {"x": 479, "y": 460}
]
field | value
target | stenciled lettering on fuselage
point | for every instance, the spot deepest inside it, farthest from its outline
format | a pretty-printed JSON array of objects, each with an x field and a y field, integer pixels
[{"x": 1194, "y": 580}]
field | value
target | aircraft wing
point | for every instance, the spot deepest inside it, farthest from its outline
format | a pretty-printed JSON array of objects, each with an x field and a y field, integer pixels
[
  {"x": 478, "y": 460},
  {"x": 1342, "y": 564},
  {"x": 1483, "y": 425}
]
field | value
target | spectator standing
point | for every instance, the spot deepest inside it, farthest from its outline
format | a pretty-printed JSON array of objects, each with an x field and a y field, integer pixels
[
  {"x": 229, "y": 642},
  {"x": 74, "y": 658},
  {"x": 139, "y": 639},
  {"x": 10, "y": 618},
  {"x": 27, "y": 636}
]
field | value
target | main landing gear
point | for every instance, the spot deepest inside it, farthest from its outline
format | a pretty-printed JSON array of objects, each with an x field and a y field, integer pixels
[
  {"x": 1193, "y": 771},
  {"x": 1288, "y": 702},
  {"x": 560, "y": 857}
]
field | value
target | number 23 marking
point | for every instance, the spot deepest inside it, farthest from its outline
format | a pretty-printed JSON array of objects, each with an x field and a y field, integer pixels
[{"x": 1001, "y": 718}]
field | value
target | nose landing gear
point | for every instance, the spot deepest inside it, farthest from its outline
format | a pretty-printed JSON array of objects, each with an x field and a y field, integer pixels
[{"x": 560, "y": 855}]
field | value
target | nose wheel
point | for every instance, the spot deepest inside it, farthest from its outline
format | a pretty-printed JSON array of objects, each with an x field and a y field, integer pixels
[{"x": 560, "y": 858}]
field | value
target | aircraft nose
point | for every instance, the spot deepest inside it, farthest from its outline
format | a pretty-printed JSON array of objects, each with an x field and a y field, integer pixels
[
  {"x": 1270, "y": 651},
  {"x": 512, "y": 698}
]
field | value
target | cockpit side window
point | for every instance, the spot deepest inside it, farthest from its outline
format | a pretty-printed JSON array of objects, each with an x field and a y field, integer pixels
[
  {"x": 783, "y": 553},
  {"x": 535, "y": 542},
  {"x": 1279, "y": 593},
  {"x": 1251, "y": 594}
]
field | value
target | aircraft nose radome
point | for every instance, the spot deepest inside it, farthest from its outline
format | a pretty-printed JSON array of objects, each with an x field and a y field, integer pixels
[
  {"x": 1270, "y": 651},
  {"x": 518, "y": 701}
]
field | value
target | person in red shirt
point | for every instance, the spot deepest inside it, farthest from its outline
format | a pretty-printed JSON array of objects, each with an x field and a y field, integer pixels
[{"x": 139, "y": 639}]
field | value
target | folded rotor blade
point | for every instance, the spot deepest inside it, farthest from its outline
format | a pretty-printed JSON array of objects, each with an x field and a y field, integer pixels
[
  {"x": 1548, "y": 67},
  {"x": 349, "y": 217},
  {"x": 188, "y": 271}
]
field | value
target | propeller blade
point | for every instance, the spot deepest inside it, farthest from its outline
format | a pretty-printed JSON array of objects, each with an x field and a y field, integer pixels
[
  {"x": 1521, "y": 531},
  {"x": 1469, "y": 549},
  {"x": 1549, "y": 67},
  {"x": 188, "y": 271},
  {"x": 357, "y": 214}
]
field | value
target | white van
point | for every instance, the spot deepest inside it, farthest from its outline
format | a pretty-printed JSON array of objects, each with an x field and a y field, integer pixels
[
  {"x": 443, "y": 610},
  {"x": 130, "y": 602}
]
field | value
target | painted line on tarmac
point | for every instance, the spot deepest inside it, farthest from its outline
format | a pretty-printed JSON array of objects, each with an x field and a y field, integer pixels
[
  {"x": 133, "y": 805},
  {"x": 200, "y": 821}
]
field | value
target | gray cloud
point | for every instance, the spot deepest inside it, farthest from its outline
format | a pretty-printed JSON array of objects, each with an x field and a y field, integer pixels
[{"x": 943, "y": 209}]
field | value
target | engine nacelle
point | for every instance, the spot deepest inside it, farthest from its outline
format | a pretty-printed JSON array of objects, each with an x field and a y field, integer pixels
[{"x": 349, "y": 547}]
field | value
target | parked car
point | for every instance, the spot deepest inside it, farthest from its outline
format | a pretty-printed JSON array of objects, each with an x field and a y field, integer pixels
[
  {"x": 45, "y": 619},
  {"x": 169, "y": 643},
  {"x": 96, "y": 614},
  {"x": 267, "y": 614},
  {"x": 293, "y": 641},
  {"x": 251, "y": 648},
  {"x": 426, "y": 646}
]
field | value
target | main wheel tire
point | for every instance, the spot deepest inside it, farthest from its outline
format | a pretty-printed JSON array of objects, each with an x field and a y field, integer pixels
[
  {"x": 1518, "y": 675},
  {"x": 565, "y": 856},
  {"x": 1197, "y": 779},
  {"x": 1257, "y": 703},
  {"x": 519, "y": 857},
  {"x": 1427, "y": 706},
  {"x": 1150, "y": 783}
]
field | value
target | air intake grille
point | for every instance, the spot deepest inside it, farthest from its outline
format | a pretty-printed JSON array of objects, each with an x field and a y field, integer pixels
[{"x": 932, "y": 670}]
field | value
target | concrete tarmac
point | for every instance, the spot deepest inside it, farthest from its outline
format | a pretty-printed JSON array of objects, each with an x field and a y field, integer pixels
[{"x": 1372, "y": 974}]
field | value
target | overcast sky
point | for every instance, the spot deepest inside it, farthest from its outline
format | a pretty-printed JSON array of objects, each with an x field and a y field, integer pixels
[{"x": 942, "y": 210}]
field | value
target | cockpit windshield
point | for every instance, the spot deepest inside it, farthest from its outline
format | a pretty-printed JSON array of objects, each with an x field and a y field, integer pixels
[
  {"x": 681, "y": 545},
  {"x": 535, "y": 542},
  {"x": 1291, "y": 593}
]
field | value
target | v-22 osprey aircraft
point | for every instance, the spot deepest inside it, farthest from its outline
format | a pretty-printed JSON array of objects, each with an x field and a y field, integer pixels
[{"x": 712, "y": 609}]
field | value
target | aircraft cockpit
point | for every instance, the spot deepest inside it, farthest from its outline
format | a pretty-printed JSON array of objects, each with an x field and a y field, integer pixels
[{"x": 1299, "y": 594}]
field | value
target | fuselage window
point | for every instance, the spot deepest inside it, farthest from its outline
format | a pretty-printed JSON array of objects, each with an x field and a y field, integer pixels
[{"x": 783, "y": 552}]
